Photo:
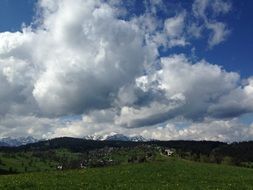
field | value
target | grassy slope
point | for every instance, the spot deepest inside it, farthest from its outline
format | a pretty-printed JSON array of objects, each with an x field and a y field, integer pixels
[
  {"x": 21, "y": 161},
  {"x": 33, "y": 161},
  {"x": 173, "y": 174}
]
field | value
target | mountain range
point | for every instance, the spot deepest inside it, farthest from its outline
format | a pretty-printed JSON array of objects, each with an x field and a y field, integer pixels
[
  {"x": 10, "y": 141},
  {"x": 116, "y": 137}
]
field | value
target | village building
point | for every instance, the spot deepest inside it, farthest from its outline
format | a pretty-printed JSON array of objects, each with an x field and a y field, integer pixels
[{"x": 168, "y": 151}]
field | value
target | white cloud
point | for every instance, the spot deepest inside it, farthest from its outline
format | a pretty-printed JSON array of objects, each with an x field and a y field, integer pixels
[
  {"x": 16, "y": 126},
  {"x": 174, "y": 30},
  {"x": 236, "y": 102},
  {"x": 199, "y": 8},
  {"x": 202, "y": 8},
  {"x": 219, "y": 33},
  {"x": 174, "y": 26},
  {"x": 16, "y": 78},
  {"x": 183, "y": 89},
  {"x": 221, "y": 7},
  {"x": 208, "y": 11},
  {"x": 195, "y": 30},
  {"x": 218, "y": 130},
  {"x": 95, "y": 65},
  {"x": 149, "y": 115},
  {"x": 80, "y": 62},
  {"x": 180, "y": 75}
]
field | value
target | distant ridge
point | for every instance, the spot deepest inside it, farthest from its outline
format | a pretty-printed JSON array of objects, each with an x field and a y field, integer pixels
[
  {"x": 116, "y": 137},
  {"x": 10, "y": 141},
  {"x": 14, "y": 142}
]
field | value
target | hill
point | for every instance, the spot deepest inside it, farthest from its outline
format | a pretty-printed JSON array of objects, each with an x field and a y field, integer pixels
[
  {"x": 82, "y": 145},
  {"x": 72, "y": 152}
]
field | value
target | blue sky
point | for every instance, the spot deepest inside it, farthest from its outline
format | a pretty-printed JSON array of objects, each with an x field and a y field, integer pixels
[
  {"x": 157, "y": 68},
  {"x": 14, "y": 12},
  {"x": 235, "y": 54}
]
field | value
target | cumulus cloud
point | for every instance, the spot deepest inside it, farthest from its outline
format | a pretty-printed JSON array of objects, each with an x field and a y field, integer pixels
[
  {"x": 97, "y": 60},
  {"x": 18, "y": 125},
  {"x": 187, "y": 89},
  {"x": 92, "y": 58},
  {"x": 218, "y": 130},
  {"x": 79, "y": 62},
  {"x": 236, "y": 102},
  {"x": 16, "y": 77}
]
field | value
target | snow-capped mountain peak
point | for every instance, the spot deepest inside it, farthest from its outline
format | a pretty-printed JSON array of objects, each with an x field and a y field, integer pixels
[
  {"x": 118, "y": 137},
  {"x": 138, "y": 138},
  {"x": 94, "y": 137},
  {"x": 115, "y": 137},
  {"x": 10, "y": 141}
]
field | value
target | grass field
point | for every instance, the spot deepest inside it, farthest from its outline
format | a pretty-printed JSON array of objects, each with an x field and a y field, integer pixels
[
  {"x": 21, "y": 162},
  {"x": 43, "y": 161},
  {"x": 171, "y": 174}
]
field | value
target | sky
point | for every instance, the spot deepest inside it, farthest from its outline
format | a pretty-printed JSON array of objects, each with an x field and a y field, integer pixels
[{"x": 160, "y": 69}]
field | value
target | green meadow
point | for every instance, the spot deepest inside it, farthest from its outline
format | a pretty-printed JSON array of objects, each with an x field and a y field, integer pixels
[{"x": 167, "y": 174}]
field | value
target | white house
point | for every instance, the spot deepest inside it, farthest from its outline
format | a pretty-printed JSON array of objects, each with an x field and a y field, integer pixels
[
  {"x": 168, "y": 151},
  {"x": 82, "y": 166}
]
